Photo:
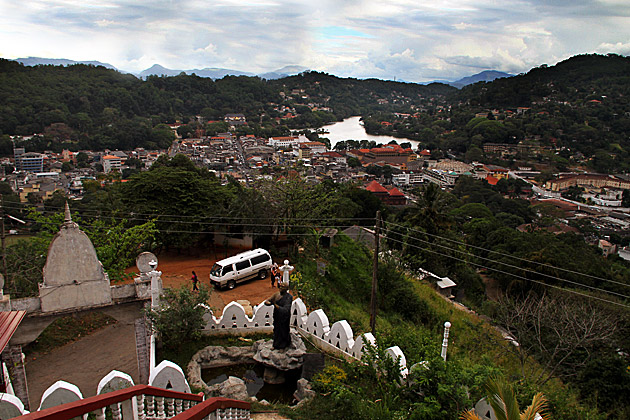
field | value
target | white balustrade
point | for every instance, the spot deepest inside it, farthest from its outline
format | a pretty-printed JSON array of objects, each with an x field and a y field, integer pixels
[
  {"x": 116, "y": 413},
  {"x": 315, "y": 325},
  {"x": 160, "y": 407},
  {"x": 140, "y": 405}
]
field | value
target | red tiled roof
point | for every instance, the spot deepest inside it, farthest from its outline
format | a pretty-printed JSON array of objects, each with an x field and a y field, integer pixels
[
  {"x": 395, "y": 192},
  {"x": 9, "y": 322},
  {"x": 492, "y": 180},
  {"x": 332, "y": 154},
  {"x": 375, "y": 187}
]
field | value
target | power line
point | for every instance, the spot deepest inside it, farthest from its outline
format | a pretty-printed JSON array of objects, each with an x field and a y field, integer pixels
[
  {"x": 278, "y": 225},
  {"x": 199, "y": 232},
  {"x": 508, "y": 255},
  {"x": 521, "y": 268},
  {"x": 520, "y": 277},
  {"x": 100, "y": 213},
  {"x": 289, "y": 225}
]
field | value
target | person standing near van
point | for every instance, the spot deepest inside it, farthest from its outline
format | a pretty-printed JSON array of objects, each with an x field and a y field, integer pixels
[
  {"x": 286, "y": 270},
  {"x": 195, "y": 280},
  {"x": 275, "y": 275}
]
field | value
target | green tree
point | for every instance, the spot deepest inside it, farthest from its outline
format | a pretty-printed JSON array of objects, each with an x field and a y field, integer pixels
[
  {"x": 428, "y": 211},
  {"x": 25, "y": 262},
  {"x": 82, "y": 160},
  {"x": 66, "y": 167},
  {"x": 180, "y": 196},
  {"x": 117, "y": 242},
  {"x": 474, "y": 154},
  {"x": 179, "y": 318},
  {"x": 354, "y": 162}
]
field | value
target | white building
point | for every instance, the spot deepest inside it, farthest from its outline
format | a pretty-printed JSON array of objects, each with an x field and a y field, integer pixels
[
  {"x": 287, "y": 141},
  {"x": 408, "y": 178},
  {"x": 111, "y": 163}
]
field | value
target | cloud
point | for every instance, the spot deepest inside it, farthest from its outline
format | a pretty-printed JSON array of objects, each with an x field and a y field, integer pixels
[
  {"x": 406, "y": 39},
  {"x": 616, "y": 48}
]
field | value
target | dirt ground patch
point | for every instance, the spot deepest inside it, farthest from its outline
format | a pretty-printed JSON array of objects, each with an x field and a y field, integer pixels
[
  {"x": 493, "y": 289},
  {"x": 177, "y": 272},
  {"x": 85, "y": 361}
]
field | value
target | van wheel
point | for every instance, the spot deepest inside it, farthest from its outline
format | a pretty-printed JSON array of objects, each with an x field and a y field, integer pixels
[
  {"x": 262, "y": 274},
  {"x": 231, "y": 284}
]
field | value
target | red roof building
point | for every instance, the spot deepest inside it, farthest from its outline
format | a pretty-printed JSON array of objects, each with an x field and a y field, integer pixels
[
  {"x": 392, "y": 197},
  {"x": 492, "y": 180}
]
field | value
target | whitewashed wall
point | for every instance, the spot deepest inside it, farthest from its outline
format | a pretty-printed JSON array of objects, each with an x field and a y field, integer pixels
[{"x": 338, "y": 338}]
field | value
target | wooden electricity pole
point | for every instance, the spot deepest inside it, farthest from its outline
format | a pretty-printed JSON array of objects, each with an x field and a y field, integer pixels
[
  {"x": 2, "y": 239},
  {"x": 375, "y": 273}
]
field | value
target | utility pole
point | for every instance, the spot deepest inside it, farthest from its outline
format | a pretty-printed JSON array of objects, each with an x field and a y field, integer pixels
[
  {"x": 4, "y": 248},
  {"x": 375, "y": 273}
]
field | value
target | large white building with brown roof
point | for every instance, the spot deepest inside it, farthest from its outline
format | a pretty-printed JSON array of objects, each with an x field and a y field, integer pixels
[
  {"x": 587, "y": 180},
  {"x": 111, "y": 163}
]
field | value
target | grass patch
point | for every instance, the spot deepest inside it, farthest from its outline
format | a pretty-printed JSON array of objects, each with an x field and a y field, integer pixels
[{"x": 68, "y": 329}]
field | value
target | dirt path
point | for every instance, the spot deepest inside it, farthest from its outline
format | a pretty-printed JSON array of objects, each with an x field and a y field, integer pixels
[{"x": 86, "y": 361}]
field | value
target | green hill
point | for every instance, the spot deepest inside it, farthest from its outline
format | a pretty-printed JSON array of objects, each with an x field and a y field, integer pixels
[{"x": 410, "y": 315}]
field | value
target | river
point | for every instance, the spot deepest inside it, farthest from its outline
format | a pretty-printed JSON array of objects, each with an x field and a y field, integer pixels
[{"x": 351, "y": 129}]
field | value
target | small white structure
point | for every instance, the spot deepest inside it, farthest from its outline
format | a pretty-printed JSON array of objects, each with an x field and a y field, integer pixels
[
  {"x": 446, "y": 286},
  {"x": 447, "y": 327}
]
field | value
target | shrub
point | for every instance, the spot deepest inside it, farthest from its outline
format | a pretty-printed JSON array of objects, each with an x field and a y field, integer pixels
[{"x": 179, "y": 318}]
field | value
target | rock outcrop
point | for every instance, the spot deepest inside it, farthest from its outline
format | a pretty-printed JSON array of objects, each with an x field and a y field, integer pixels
[
  {"x": 216, "y": 356},
  {"x": 232, "y": 387},
  {"x": 286, "y": 359},
  {"x": 304, "y": 392}
]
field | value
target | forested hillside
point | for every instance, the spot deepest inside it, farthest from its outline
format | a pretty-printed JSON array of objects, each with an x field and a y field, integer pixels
[
  {"x": 87, "y": 107},
  {"x": 576, "y": 111},
  {"x": 572, "y": 114},
  {"x": 468, "y": 235}
]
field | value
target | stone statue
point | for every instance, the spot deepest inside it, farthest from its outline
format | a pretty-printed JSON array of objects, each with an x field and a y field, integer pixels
[
  {"x": 281, "y": 302},
  {"x": 286, "y": 270}
]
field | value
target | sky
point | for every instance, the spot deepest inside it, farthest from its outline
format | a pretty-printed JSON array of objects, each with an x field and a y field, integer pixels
[{"x": 410, "y": 40}]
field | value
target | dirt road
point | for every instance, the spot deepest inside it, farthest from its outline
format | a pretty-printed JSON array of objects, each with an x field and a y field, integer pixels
[
  {"x": 87, "y": 360},
  {"x": 177, "y": 272}
]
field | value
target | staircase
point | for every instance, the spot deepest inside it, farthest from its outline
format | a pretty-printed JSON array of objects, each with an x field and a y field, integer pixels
[{"x": 144, "y": 402}]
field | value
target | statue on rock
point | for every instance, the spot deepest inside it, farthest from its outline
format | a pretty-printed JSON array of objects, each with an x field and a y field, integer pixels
[{"x": 281, "y": 302}]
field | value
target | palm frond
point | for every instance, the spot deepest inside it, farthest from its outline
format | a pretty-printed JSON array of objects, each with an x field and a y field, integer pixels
[
  {"x": 539, "y": 405},
  {"x": 469, "y": 415},
  {"x": 502, "y": 399}
]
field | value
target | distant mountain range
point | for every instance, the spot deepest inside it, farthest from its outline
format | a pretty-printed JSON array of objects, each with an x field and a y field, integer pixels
[
  {"x": 484, "y": 76},
  {"x": 34, "y": 61},
  {"x": 218, "y": 73}
]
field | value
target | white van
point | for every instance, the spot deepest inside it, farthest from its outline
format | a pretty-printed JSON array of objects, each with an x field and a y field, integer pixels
[{"x": 244, "y": 266}]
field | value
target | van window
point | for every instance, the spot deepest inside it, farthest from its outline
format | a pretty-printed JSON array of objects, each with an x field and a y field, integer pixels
[
  {"x": 242, "y": 265},
  {"x": 216, "y": 270},
  {"x": 227, "y": 269},
  {"x": 260, "y": 259}
]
